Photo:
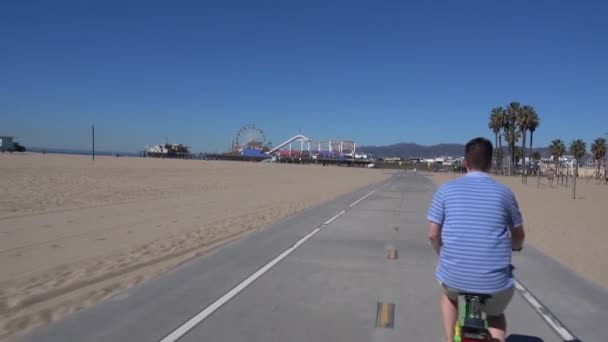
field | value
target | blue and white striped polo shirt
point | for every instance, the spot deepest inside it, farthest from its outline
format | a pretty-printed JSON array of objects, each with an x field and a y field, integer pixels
[{"x": 475, "y": 213}]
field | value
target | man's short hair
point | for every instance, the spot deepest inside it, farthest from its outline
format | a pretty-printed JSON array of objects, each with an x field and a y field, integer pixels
[{"x": 478, "y": 154}]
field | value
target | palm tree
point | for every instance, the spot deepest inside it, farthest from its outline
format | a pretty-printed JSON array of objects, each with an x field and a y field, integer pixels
[
  {"x": 518, "y": 153},
  {"x": 523, "y": 123},
  {"x": 511, "y": 131},
  {"x": 535, "y": 156},
  {"x": 577, "y": 149},
  {"x": 558, "y": 149},
  {"x": 533, "y": 123},
  {"x": 495, "y": 124},
  {"x": 598, "y": 149},
  {"x": 512, "y": 137}
]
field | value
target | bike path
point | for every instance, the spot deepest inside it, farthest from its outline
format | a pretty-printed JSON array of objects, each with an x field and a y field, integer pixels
[{"x": 329, "y": 288}]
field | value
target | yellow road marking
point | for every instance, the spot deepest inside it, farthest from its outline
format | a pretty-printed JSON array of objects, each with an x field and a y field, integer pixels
[
  {"x": 385, "y": 315},
  {"x": 392, "y": 253}
]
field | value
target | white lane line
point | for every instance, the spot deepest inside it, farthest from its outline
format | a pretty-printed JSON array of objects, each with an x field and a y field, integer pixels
[
  {"x": 179, "y": 332},
  {"x": 364, "y": 197},
  {"x": 199, "y": 317},
  {"x": 333, "y": 218},
  {"x": 559, "y": 328}
]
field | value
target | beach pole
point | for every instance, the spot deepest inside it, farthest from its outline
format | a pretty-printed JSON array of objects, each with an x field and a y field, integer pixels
[
  {"x": 538, "y": 171},
  {"x": 574, "y": 181},
  {"x": 93, "y": 138}
]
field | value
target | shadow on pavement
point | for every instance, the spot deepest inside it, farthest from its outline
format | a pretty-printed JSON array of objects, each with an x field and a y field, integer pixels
[{"x": 524, "y": 338}]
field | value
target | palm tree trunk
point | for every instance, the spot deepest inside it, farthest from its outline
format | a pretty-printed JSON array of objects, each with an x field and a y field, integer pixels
[
  {"x": 496, "y": 144},
  {"x": 531, "y": 138},
  {"x": 500, "y": 149},
  {"x": 523, "y": 157},
  {"x": 514, "y": 159},
  {"x": 511, "y": 156},
  {"x": 530, "y": 152}
]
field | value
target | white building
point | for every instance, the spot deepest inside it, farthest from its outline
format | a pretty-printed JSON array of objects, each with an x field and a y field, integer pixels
[{"x": 7, "y": 143}]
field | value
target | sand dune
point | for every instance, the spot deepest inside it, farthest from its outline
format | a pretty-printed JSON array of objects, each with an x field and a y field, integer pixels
[
  {"x": 572, "y": 231},
  {"x": 76, "y": 232}
]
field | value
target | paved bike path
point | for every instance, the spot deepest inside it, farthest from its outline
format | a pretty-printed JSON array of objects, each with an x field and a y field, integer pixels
[{"x": 330, "y": 287}]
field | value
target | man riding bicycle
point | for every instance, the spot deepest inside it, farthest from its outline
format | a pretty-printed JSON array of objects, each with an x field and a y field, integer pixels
[{"x": 475, "y": 222}]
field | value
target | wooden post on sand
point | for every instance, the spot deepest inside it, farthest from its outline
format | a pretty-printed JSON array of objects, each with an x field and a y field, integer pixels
[
  {"x": 574, "y": 182},
  {"x": 538, "y": 171},
  {"x": 93, "y": 137}
]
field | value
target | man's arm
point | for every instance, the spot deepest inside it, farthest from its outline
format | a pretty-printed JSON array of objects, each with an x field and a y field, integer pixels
[
  {"x": 436, "y": 216},
  {"x": 517, "y": 237},
  {"x": 435, "y": 236},
  {"x": 516, "y": 224}
]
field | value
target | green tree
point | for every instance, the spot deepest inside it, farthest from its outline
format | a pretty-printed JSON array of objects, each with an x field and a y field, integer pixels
[
  {"x": 536, "y": 156},
  {"x": 533, "y": 123},
  {"x": 496, "y": 124},
  {"x": 523, "y": 119},
  {"x": 577, "y": 149},
  {"x": 558, "y": 149},
  {"x": 518, "y": 153},
  {"x": 598, "y": 150},
  {"x": 512, "y": 134}
]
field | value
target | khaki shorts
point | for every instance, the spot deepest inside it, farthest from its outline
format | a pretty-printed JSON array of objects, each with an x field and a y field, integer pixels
[{"x": 494, "y": 306}]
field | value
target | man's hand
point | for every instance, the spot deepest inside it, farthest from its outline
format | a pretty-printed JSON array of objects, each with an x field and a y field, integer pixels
[{"x": 435, "y": 236}]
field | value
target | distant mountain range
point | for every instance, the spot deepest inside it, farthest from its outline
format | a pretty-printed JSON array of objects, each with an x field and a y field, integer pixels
[{"x": 407, "y": 150}]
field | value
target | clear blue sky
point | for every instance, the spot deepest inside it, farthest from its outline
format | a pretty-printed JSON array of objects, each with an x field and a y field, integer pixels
[{"x": 376, "y": 72}]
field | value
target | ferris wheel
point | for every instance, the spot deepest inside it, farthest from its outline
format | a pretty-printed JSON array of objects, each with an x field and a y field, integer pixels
[{"x": 249, "y": 136}]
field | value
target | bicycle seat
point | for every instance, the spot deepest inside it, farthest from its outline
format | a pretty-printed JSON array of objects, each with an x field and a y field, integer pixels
[{"x": 480, "y": 296}]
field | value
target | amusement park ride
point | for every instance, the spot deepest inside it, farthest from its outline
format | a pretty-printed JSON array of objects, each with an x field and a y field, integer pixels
[
  {"x": 250, "y": 143},
  {"x": 249, "y": 137}
]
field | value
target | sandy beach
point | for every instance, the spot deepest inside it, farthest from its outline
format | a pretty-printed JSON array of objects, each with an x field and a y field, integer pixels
[
  {"x": 571, "y": 231},
  {"x": 76, "y": 232}
]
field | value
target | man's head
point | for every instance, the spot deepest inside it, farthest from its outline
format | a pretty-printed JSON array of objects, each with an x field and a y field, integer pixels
[{"x": 478, "y": 155}]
